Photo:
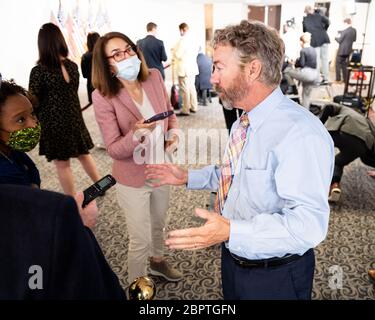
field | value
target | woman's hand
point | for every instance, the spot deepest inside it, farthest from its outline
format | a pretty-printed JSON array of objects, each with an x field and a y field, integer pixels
[
  {"x": 139, "y": 125},
  {"x": 171, "y": 144},
  {"x": 142, "y": 129}
]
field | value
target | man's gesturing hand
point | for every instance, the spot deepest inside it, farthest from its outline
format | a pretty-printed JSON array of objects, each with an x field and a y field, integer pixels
[
  {"x": 166, "y": 174},
  {"x": 215, "y": 230}
]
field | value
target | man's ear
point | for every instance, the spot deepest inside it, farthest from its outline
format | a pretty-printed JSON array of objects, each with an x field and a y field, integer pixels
[{"x": 254, "y": 69}]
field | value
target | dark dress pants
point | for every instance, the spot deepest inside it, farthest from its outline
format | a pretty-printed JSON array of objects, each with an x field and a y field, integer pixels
[
  {"x": 342, "y": 63},
  {"x": 291, "y": 281}
]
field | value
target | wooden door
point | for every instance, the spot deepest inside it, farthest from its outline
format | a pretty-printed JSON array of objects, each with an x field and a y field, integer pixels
[
  {"x": 256, "y": 13},
  {"x": 274, "y": 17}
]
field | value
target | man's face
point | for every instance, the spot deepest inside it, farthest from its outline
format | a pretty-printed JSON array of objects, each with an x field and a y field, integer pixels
[{"x": 227, "y": 77}]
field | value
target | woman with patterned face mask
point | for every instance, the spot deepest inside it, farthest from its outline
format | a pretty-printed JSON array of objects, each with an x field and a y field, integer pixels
[{"x": 19, "y": 133}]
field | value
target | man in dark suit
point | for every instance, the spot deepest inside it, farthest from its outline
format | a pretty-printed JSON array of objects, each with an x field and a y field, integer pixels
[
  {"x": 317, "y": 24},
  {"x": 153, "y": 49},
  {"x": 47, "y": 250},
  {"x": 345, "y": 39}
]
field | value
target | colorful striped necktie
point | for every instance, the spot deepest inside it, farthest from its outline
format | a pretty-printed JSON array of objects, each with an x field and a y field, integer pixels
[{"x": 230, "y": 160}]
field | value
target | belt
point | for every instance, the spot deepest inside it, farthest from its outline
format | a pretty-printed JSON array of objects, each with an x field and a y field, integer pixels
[{"x": 266, "y": 263}]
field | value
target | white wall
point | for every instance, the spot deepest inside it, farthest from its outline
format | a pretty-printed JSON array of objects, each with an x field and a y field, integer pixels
[
  {"x": 359, "y": 20},
  {"x": 293, "y": 9},
  {"x": 132, "y": 19},
  {"x": 20, "y": 21},
  {"x": 228, "y": 13}
]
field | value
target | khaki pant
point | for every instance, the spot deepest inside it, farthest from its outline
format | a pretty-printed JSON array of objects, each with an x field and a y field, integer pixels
[
  {"x": 145, "y": 211},
  {"x": 189, "y": 94}
]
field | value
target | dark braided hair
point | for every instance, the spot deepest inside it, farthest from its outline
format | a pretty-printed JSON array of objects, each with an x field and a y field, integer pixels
[{"x": 9, "y": 88}]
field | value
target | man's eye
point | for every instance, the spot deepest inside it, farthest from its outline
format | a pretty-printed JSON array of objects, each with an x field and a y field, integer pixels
[
  {"x": 117, "y": 55},
  {"x": 21, "y": 120}
]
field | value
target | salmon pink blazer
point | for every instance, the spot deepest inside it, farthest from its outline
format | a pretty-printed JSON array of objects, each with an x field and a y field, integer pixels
[{"x": 116, "y": 117}]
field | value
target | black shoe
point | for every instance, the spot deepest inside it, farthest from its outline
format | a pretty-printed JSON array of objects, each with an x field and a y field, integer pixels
[
  {"x": 193, "y": 111},
  {"x": 182, "y": 114},
  {"x": 324, "y": 82}
]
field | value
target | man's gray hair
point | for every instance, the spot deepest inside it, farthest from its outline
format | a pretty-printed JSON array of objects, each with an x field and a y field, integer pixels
[{"x": 254, "y": 40}]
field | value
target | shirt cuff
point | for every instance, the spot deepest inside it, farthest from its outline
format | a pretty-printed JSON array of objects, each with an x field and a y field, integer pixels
[
  {"x": 194, "y": 179},
  {"x": 239, "y": 229}
]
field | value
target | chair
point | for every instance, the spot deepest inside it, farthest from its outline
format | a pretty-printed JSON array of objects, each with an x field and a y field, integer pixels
[{"x": 327, "y": 86}]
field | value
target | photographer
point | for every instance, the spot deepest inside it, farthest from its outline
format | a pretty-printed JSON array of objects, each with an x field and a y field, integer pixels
[{"x": 48, "y": 251}]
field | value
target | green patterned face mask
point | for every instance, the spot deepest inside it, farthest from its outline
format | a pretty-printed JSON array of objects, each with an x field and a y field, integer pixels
[{"x": 24, "y": 140}]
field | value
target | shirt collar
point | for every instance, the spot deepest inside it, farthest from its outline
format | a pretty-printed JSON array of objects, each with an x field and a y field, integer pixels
[{"x": 261, "y": 111}]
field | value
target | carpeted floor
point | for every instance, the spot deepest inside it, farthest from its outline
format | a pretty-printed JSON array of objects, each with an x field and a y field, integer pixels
[{"x": 349, "y": 249}]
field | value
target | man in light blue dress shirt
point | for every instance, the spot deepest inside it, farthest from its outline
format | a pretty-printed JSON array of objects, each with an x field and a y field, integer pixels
[{"x": 277, "y": 208}]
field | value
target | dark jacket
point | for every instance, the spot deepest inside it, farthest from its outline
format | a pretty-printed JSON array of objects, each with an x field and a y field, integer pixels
[
  {"x": 154, "y": 52},
  {"x": 317, "y": 25},
  {"x": 205, "y": 68},
  {"x": 42, "y": 228},
  {"x": 349, "y": 121},
  {"x": 86, "y": 67},
  {"x": 19, "y": 170},
  {"x": 307, "y": 58},
  {"x": 345, "y": 40}
]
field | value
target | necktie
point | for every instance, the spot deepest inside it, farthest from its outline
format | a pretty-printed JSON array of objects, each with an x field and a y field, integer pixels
[{"x": 230, "y": 160}]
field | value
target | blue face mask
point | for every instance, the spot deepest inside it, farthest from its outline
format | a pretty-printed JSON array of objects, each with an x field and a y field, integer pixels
[{"x": 128, "y": 69}]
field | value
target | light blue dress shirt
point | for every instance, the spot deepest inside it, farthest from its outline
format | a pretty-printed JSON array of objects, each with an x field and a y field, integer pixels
[{"x": 278, "y": 200}]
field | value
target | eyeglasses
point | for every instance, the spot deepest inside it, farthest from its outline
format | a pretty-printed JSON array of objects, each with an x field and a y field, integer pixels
[{"x": 120, "y": 55}]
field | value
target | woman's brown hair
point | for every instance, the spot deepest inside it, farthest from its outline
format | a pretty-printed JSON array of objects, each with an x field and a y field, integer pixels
[
  {"x": 102, "y": 77},
  {"x": 51, "y": 45}
]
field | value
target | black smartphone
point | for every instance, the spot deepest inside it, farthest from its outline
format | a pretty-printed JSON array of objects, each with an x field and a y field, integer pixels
[
  {"x": 97, "y": 189},
  {"x": 159, "y": 116}
]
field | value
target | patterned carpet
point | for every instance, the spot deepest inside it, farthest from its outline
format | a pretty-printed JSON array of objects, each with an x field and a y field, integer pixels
[{"x": 349, "y": 248}]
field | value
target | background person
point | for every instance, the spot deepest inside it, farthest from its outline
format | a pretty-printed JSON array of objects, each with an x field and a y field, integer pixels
[
  {"x": 127, "y": 93},
  {"x": 54, "y": 81},
  {"x": 305, "y": 70},
  {"x": 354, "y": 135},
  {"x": 86, "y": 63},
  {"x": 317, "y": 25},
  {"x": 202, "y": 80},
  {"x": 44, "y": 233},
  {"x": 345, "y": 39},
  {"x": 185, "y": 65},
  {"x": 153, "y": 49}
]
